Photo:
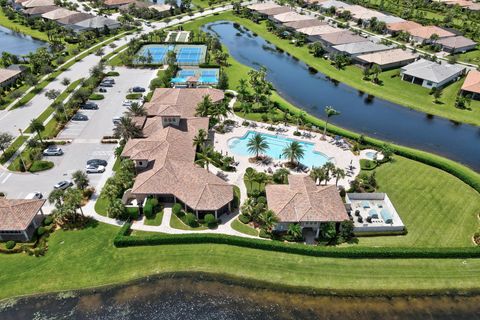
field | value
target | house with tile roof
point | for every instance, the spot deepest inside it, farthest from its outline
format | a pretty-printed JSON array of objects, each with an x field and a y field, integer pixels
[
  {"x": 11, "y": 74},
  {"x": 38, "y": 11},
  {"x": 289, "y": 17},
  {"x": 389, "y": 59},
  {"x": 296, "y": 25},
  {"x": 58, "y": 14},
  {"x": 457, "y": 44},
  {"x": 405, "y": 26},
  {"x": 471, "y": 85},
  {"x": 358, "y": 48},
  {"x": 165, "y": 157},
  {"x": 302, "y": 201},
  {"x": 19, "y": 218},
  {"x": 341, "y": 37},
  {"x": 37, "y": 3},
  {"x": 423, "y": 34},
  {"x": 430, "y": 74}
]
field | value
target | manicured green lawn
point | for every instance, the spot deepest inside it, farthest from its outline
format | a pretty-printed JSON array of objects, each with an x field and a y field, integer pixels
[
  {"x": 155, "y": 221},
  {"x": 244, "y": 228},
  {"x": 4, "y": 21},
  {"x": 438, "y": 209},
  {"x": 86, "y": 258},
  {"x": 392, "y": 89},
  {"x": 176, "y": 223},
  {"x": 471, "y": 57}
]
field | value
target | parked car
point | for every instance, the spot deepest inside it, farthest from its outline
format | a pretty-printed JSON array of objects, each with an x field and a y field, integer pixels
[
  {"x": 138, "y": 89},
  {"x": 116, "y": 120},
  {"x": 127, "y": 103},
  {"x": 53, "y": 151},
  {"x": 65, "y": 184},
  {"x": 89, "y": 106},
  {"x": 95, "y": 169},
  {"x": 97, "y": 162},
  {"x": 79, "y": 117},
  {"x": 34, "y": 195},
  {"x": 109, "y": 80},
  {"x": 103, "y": 90},
  {"x": 106, "y": 84}
]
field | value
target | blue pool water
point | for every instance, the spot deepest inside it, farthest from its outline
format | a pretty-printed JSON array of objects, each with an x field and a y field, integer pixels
[
  {"x": 371, "y": 154},
  {"x": 205, "y": 76},
  {"x": 276, "y": 145}
]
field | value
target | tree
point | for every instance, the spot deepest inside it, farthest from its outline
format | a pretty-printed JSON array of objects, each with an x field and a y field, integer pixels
[
  {"x": 281, "y": 176},
  {"x": 295, "y": 230},
  {"x": 204, "y": 107},
  {"x": 242, "y": 90},
  {"x": 293, "y": 152},
  {"x": 52, "y": 94},
  {"x": 127, "y": 129},
  {"x": 56, "y": 197},
  {"x": 73, "y": 197},
  {"x": 328, "y": 232},
  {"x": 200, "y": 139},
  {"x": 268, "y": 219},
  {"x": 366, "y": 73},
  {"x": 258, "y": 81},
  {"x": 434, "y": 37},
  {"x": 204, "y": 158},
  {"x": 66, "y": 81},
  {"x": 437, "y": 94},
  {"x": 346, "y": 230},
  {"x": 249, "y": 176},
  {"x": 329, "y": 112},
  {"x": 328, "y": 167},
  {"x": 317, "y": 174},
  {"x": 80, "y": 179},
  {"x": 136, "y": 110},
  {"x": 223, "y": 81},
  {"x": 110, "y": 191},
  {"x": 376, "y": 70},
  {"x": 37, "y": 127},
  {"x": 257, "y": 144},
  {"x": 5, "y": 140},
  {"x": 338, "y": 173},
  {"x": 245, "y": 107},
  {"x": 316, "y": 49},
  {"x": 387, "y": 151},
  {"x": 115, "y": 209}
]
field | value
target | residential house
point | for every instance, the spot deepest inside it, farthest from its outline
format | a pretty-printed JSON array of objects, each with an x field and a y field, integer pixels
[
  {"x": 58, "y": 14},
  {"x": 74, "y": 18},
  {"x": 360, "y": 13},
  {"x": 325, "y": 5},
  {"x": 97, "y": 22},
  {"x": 289, "y": 17},
  {"x": 341, "y": 37},
  {"x": 296, "y": 25},
  {"x": 388, "y": 19},
  {"x": 263, "y": 6},
  {"x": 423, "y": 34},
  {"x": 268, "y": 13},
  {"x": 302, "y": 201},
  {"x": 405, "y": 26},
  {"x": 359, "y": 48},
  {"x": 112, "y": 4},
  {"x": 37, "y": 3},
  {"x": 431, "y": 74},
  {"x": 165, "y": 158},
  {"x": 19, "y": 218},
  {"x": 38, "y": 11},
  {"x": 471, "y": 85},
  {"x": 11, "y": 74},
  {"x": 457, "y": 44},
  {"x": 389, "y": 59},
  {"x": 315, "y": 33}
]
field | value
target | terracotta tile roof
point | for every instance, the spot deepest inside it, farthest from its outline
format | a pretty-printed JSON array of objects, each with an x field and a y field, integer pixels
[
  {"x": 403, "y": 26},
  {"x": 456, "y": 42},
  {"x": 275, "y": 11},
  {"x": 427, "y": 31},
  {"x": 18, "y": 214},
  {"x": 160, "y": 7},
  {"x": 7, "y": 74},
  {"x": 302, "y": 200},
  {"x": 40, "y": 10},
  {"x": 472, "y": 82},
  {"x": 180, "y": 101},
  {"x": 304, "y": 24},
  {"x": 38, "y": 3},
  {"x": 388, "y": 57},
  {"x": 342, "y": 37},
  {"x": 117, "y": 2},
  {"x": 290, "y": 16},
  {"x": 58, "y": 14},
  {"x": 318, "y": 30},
  {"x": 263, "y": 6},
  {"x": 75, "y": 18}
]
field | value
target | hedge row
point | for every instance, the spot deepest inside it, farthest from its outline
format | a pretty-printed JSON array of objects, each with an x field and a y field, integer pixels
[
  {"x": 460, "y": 171},
  {"x": 122, "y": 240}
]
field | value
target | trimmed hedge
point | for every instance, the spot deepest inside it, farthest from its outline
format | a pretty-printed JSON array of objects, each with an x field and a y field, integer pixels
[
  {"x": 122, "y": 240},
  {"x": 366, "y": 164},
  {"x": 460, "y": 171},
  {"x": 41, "y": 165},
  {"x": 96, "y": 96}
]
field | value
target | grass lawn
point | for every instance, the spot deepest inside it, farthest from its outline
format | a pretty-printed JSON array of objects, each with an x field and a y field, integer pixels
[
  {"x": 80, "y": 259},
  {"x": 101, "y": 206},
  {"x": 12, "y": 149},
  {"x": 392, "y": 89},
  {"x": 471, "y": 56},
  {"x": 12, "y": 25},
  {"x": 244, "y": 228},
  {"x": 177, "y": 223},
  {"x": 438, "y": 209},
  {"x": 155, "y": 221}
]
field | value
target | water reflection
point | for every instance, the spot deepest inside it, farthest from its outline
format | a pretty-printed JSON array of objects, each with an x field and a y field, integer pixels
[{"x": 18, "y": 43}]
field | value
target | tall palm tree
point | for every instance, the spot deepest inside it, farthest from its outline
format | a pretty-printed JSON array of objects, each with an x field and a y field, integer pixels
[
  {"x": 246, "y": 107},
  {"x": 136, "y": 110},
  {"x": 249, "y": 176},
  {"x": 204, "y": 158},
  {"x": 338, "y": 173},
  {"x": 56, "y": 197},
  {"x": 282, "y": 175},
  {"x": 294, "y": 152},
  {"x": 257, "y": 144},
  {"x": 204, "y": 107},
  {"x": 38, "y": 127},
  {"x": 80, "y": 179},
  {"x": 200, "y": 139},
  {"x": 127, "y": 129},
  {"x": 328, "y": 167},
  {"x": 268, "y": 219},
  {"x": 317, "y": 174},
  {"x": 329, "y": 112}
]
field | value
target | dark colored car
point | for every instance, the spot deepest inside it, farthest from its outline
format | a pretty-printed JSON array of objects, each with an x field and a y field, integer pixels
[
  {"x": 106, "y": 84},
  {"x": 89, "y": 106},
  {"x": 103, "y": 90},
  {"x": 79, "y": 117},
  {"x": 97, "y": 162},
  {"x": 138, "y": 89}
]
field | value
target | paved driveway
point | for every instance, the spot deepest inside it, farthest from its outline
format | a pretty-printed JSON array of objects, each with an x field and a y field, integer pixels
[{"x": 85, "y": 136}]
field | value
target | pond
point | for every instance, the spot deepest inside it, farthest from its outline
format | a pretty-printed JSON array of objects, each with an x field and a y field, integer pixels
[
  {"x": 200, "y": 297},
  {"x": 18, "y": 43},
  {"x": 359, "y": 112}
]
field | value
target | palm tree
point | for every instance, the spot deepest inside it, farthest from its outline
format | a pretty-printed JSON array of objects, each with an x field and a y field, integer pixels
[
  {"x": 338, "y": 173},
  {"x": 268, "y": 219},
  {"x": 257, "y": 144},
  {"x": 204, "y": 107},
  {"x": 80, "y": 179},
  {"x": 328, "y": 168},
  {"x": 200, "y": 139},
  {"x": 282, "y": 175},
  {"x": 56, "y": 197},
  {"x": 115, "y": 208},
  {"x": 204, "y": 158},
  {"x": 74, "y": 197},
  {"x": 38, "y": 127},
  {"x": 330, "y": 112},
  {"x": 136, "y": 110},
  {"x": 242, "y": 90},
  {"x": 295, "y": 230},
  {"x": 294, "y": 152},
  {"x": 127, "y": 129},
  {"x": 317, "y": 174},
  {"x": 246, "y": 107},
  {"x": 110, "y": 191},
  {"x": 376, "y": 70},
  {"x": 249, "y": 176}
]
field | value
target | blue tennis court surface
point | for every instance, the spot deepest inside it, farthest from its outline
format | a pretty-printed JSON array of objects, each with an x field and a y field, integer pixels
[{"x": 189, "y": 55}]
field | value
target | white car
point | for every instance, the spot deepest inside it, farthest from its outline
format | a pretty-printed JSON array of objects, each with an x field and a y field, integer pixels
[
  {"x": 95, "y": 169},
  {"x": 127, "y": 103},
  {"x": 34, "y": 195},
  {"x": 63, "y": 185},
  {"x": 53, "y": 151}
]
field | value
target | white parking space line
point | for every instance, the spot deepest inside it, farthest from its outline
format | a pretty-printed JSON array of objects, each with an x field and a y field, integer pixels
[{"x": 6, "y": 178}]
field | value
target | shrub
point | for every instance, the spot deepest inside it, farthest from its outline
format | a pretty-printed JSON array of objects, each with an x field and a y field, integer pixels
[
  {"x": 367, "y": 164},
  {"x": 297, "y": 133},
  {"x": 177, "y": 210},
  {"x": 132, "y": 213},
  {"x": 41, "y": 231},
  {"x": 48, "y": 221},
  {"x": 210, "y": 220},
  {"x": 148, "y": 209},
  {"x": 113, "y": 74},
  {"x": 96, "y": 96},
  {"x": 10, "y": 244},
  {"x": 134, "y": 96},
  {"x": 40, "y": 165},
  {"x": 263, "y": 234},
  {"x": 262, "y": 199},
  {"x": 191, "y": 220},
  {"x": 243, "y": 219}
]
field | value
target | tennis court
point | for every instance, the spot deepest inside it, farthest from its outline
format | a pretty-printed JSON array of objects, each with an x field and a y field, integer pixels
[{"x": 187, "y": 55}]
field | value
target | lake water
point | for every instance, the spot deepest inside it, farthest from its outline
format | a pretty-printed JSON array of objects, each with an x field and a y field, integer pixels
[
  {"x": 203, "y": 297},
  {"x": 18, "y": 43},
  {"x": 359, "y": 112}
]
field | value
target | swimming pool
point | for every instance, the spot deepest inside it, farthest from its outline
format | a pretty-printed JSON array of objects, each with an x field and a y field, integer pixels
[
  {"x": 371, "y": 155},
  {"x": 204, "y": 76},
  {"x": 276, "y": 144}
]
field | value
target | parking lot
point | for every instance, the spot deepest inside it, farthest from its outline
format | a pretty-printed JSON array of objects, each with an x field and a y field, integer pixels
[{"x": 85, "y": 139}]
